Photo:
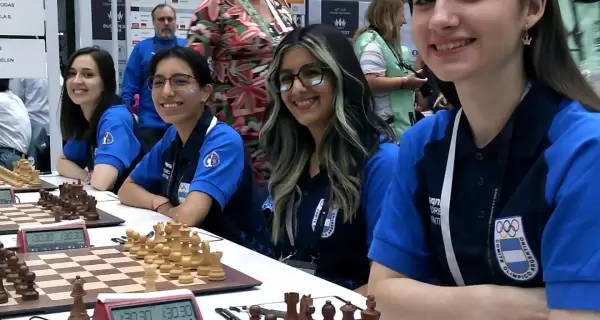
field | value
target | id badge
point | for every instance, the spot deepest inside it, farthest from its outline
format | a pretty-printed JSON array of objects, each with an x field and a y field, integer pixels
[{"x": 308, "y": 267}]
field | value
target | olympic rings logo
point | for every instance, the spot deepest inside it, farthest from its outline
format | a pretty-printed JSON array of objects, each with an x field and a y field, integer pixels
[{"x": 506, "y": 228}]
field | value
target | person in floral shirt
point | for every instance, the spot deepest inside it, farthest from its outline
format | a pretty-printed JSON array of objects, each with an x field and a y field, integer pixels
[{"x": 239, "y": 37}]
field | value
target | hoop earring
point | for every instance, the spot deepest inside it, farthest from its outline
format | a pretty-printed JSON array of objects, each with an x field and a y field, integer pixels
[{"x": 526, "y": 38}]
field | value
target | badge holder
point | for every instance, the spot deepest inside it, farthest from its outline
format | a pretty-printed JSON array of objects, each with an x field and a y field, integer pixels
[{"x": 308, "y": 267}]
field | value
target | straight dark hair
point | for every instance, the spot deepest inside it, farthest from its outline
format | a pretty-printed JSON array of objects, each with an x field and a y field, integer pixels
[
  {"x": 4, "y": 83},
  {"x": 72, "y": 121},
  {"x": 548, "y": 60},
  {"x": 194, "y": 59}
]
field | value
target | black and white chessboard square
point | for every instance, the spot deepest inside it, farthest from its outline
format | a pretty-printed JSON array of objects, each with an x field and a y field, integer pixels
[{"x": 25, "y": 214}]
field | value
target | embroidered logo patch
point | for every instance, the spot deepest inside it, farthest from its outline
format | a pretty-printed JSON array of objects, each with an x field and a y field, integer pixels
[
  {"x": 211, "y": 160},
  {"x": 108, "y": 138},
  {"x": 512, "y": 250},
  {"x": 268, "y": 204},
  {"x": 182, "y": 191},
  {"x": 329, "y": 226}
]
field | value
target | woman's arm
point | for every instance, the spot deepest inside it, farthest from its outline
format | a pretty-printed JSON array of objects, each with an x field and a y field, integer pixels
[
  {"x": 399, "y": 298},
  {"x": 70, "y": 169},
  {"x": 104, "y": 177},
  {"x": 381, "y": 84},
  {"x": 134, "y": 195}
]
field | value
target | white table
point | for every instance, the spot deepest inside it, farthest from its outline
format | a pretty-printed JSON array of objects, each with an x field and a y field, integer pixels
[{"x": 277, "y": 278}]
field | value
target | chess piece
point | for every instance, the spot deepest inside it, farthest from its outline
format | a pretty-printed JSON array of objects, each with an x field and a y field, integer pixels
[
  {"x": 195, "y": 250},
  {"x": 291, "y": 300},
  {"x": 150, "y": 256},
  {"x": 129, "y": 243},
  {"x": 185, "y": 241},
  {"x": 168, "y": 231},
  {"x": 12, "y": 266},
  {"x": 270, "y": 317},
  {"x": 177, "y": 270},
  {"x": 78, "y": 310},
  {"x": 254, "y": 312},
  {"x": 20, "y": 284},
  {"x": 348, "y": 311},
  {"x": 159, "y": 233},
  {"x": 136, "y": 244},
  {"x": 328, "y": 311},
  {"x": 3, "y": 293},
  {"x": 306, "y": 308},
  {"x": 142, "y": 251},
  {"x": 30, "y": 293},
  {"x": 216, "y": 272},
  {"x": 186, "y": 276},
  {"x": 56, "y": 212},
  {"x": 3, "y": 260},
  {"x": 370, "y": 313},
  {"x": 158, "y": 258},
  {"x": 150, "y": 277},
  {"x": 167, "y": 265},
  {"x": 204, "y": 266}
]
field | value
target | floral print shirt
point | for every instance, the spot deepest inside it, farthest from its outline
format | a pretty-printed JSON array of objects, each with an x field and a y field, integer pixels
[{"x": 240, "y": 54}]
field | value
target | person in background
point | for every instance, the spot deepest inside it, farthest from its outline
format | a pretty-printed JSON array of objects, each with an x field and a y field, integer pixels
[
  {"x": 199, "y": 170},
  {"x": 152, "y": 128},
  {"x": 239, "y": 37},
  {"x": 330, "y": 155},
  {"x": 100, "y": 129},
  {"x": 34, "y": 94},
  {"x": 15, "y": 126},
  {"x": 509, "y": 226},
  {"x": 381, "y": 56}
]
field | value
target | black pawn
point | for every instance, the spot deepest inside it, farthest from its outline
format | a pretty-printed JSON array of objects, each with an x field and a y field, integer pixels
[
  {"x": 3, "y": 294},
  {"x": 328, "y": 311},
  {"x": 30, "y": 293},
  {"x": 21, "y": 284}
]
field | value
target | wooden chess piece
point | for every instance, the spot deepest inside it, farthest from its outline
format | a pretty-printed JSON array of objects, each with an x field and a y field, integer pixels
[
  {"x": 136, "y": 244},
  {"x": 20, "y": 284},
  {"x": 186, "y": 276},
  {"x": 348, "y": 311},
  {"x": 306, "y": 308},
  {"x": 328, "y": 311},
  {"x": 185, "y": 240},
  {"x": 3, "y": 293},
  {"x": 12, "y": 266},
  {"x": 177, "y": 270},
  {"x": 195, "y": 249},
  {"x": 216, "y": 272},
  {"x": 78, "y": 310},
  {"x": 30, "y": 293},
  {"x": 159, "y": 233},
  {"x": 142, "y": 251},
  {"x": 151, "y": 255},
  {"x": 3, "y": 260},
  {"x": 291, "y": 299},
  {"x": 254, "y": 312},
  {"x": 158, "y": 258},
  {"x": 167, "y": 265},
  {"x": 370, "y": 313},
  {"x": 204, "y": 266},
  {"x": 129, "y": 243},
  {"x": 150, "y": 277}
]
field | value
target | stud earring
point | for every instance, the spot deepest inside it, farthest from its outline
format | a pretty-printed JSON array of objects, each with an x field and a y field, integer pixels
[{"x": 526, "y": 38}]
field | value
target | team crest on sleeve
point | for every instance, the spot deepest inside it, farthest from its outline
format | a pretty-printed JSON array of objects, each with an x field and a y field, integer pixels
[
  {"x": 268, "y": 204},
  {"x": 108, "y": 138},
  {"x": 514, "y": 255},
  {"x": 182, "y": 191},
  {"x": 330, "y": 218},
  {"x": 211, "y": 160}
]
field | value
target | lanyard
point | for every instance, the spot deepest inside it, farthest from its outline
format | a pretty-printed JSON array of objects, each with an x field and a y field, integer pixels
[
  {"x": 176, "y": 151},
  {"x": 447, "y": 189},
  {"x": 315, "y": 236}
]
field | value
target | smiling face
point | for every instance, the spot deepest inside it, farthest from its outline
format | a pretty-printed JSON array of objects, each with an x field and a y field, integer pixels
[
  {"x": 460, "y": 38},
  {"x": 306, "y": 87},
  {"x": 177, "y": 96},
  {"x": 84, "y": 83}
]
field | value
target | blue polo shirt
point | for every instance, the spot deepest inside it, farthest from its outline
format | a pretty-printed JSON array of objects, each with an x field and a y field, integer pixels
[
  {"x": 342, "y": 247},
  {"x": 213, "y": 161},
  {"x": 135, "y": 79},
  {"x": 547, "y": 228},
  {"x": 115, "y": 144}
]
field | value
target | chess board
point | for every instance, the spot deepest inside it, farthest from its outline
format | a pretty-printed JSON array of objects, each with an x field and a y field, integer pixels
[
  {"x": 105, "y": 270},
  {"x": 27, "y": 188},
  {"x": 14, "y": 215}
]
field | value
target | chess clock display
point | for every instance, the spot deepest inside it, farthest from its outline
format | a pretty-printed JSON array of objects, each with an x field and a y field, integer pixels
[
  {"x": 51, "y": 237},
  {"x": 7, "y": 195},
  {"x": 177, "y": 304}
]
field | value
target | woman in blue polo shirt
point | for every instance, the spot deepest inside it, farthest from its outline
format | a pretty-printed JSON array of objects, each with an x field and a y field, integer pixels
[
  {"x": 100, "y": 129},
  {"x": 497, "y": 199},
  {"x": 330, "y": 155},
  {"x": 199, "y": 170}
]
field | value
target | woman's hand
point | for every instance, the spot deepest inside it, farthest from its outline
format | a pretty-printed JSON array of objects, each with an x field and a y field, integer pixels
[
  {"x": 413, "y": 81},
  {"x": 441, "y": 102}
]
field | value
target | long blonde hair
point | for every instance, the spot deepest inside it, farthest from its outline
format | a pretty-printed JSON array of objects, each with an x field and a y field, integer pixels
[{"x": 383, "y": 15}]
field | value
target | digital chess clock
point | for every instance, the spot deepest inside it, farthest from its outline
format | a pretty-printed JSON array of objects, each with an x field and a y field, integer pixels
[
  {"x": 52, "y": 237},
  {"x": 7, "y": 195},
  {"x": 177, "y": 304}
]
